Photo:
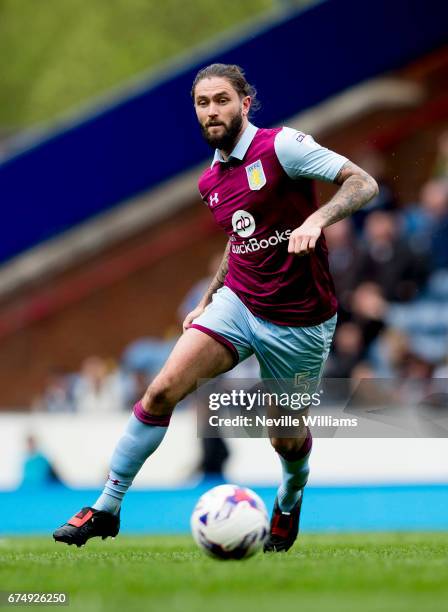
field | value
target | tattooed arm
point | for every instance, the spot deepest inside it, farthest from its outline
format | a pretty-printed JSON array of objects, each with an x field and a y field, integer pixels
[
  {"x": 217, "y": 282},
  {"x": 219, "y": 278},
  {"x": 357, "y": 188}
]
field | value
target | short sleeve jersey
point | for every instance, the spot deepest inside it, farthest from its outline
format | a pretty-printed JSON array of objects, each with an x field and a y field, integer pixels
[{"x": 258, "y": 197}]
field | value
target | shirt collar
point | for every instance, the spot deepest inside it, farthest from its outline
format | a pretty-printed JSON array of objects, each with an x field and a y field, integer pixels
[{"x": 241, "y": 146}]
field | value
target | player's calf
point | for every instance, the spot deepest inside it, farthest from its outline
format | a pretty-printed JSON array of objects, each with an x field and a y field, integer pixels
[{"x": 294, "y": 455}]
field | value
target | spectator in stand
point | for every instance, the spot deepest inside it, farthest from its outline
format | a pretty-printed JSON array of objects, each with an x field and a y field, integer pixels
[
  {"x": 147, "y": 355},
  {"x": 348, "y": 346},
  {"x": 37, "y": 468},
  {"x": 98, "y": 390},
  {"x": 138, "y": 380},
  {"x": 142, "y": 359},
  {"x": 426, "y": 223},
  {"x": 441, "y": 165},
  {"x": 367, "y": 391},
  {"x": 417, "y": 367},
  {"x": 388, "y": 260},
  {"x": 368, "y": 310},
  {"x": 343, "y": 253},
  {"x": 375, "y": 164},
  {"x": 57, "y": 395},
  {"x": 388, "y": 353}
]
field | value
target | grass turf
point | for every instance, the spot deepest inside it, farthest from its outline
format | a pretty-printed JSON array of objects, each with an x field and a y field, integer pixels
[{"x": 343, "y": 572}]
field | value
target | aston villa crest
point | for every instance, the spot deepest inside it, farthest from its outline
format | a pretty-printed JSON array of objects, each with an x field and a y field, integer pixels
[{"x": 255, "y": 175}]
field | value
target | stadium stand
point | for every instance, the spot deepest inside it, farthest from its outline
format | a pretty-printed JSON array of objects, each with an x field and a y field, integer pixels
[{"x": 110, "y": 252}]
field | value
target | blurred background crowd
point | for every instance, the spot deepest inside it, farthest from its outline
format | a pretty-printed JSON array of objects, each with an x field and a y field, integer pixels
[{"x": 390, "y": 267}]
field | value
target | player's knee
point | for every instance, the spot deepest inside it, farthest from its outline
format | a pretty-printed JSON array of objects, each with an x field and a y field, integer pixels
[{"x": 160, "y": 398}]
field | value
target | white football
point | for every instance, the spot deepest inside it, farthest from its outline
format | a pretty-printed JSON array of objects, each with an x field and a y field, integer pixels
[{"x": 230, "y": 522}]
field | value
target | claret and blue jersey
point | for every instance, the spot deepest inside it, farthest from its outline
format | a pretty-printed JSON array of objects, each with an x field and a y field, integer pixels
[{"x": 258, "y": 197}]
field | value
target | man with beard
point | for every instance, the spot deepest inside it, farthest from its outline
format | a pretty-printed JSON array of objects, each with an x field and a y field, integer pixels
[{"x": 272, "y": 295}]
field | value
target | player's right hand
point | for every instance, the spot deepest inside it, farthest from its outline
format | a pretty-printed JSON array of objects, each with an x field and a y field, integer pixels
[
  {"x": 302, "y": 240},
  {"x": 191, "y": 316}
]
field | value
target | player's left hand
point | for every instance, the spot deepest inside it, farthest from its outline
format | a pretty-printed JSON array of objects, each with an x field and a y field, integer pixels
[{"x": 303, "y": 239}]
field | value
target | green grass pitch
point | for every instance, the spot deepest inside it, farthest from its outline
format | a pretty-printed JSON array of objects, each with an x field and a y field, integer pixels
[{"x": 341, "y": 572}]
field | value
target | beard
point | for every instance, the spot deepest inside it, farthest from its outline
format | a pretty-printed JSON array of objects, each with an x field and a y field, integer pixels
[{"x": 227, "y": 140}]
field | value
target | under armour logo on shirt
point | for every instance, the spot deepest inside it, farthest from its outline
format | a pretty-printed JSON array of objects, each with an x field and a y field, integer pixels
[{"x": 214, "y": 199}]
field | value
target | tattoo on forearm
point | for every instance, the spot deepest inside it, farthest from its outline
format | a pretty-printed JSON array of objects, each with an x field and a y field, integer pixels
[
  {"x": 357, "y": 188},
  {"x": 354, "y": 193},
  {"x": 220, "y": 275},
  {"x": 224, "y": 265}
]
